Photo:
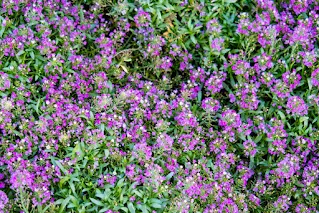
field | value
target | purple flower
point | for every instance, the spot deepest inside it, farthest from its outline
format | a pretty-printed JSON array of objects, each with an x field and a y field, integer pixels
[
  {"x": 164, "y": 142},
  {"x": 300, "y": 6},
  {"x": 142, "y": 151},
  {"x": 188, "y": 141},
  {"x": 250, "y": 148},
  {"x": 217, "y": 44},
  {"x": 263, "y": 62},
  {"x": 277, "y": 147},
  {"x": 111, "y": 179},
  {"x": 229, "y": 119},
  {"x": 3, "y": 200},
  {"x": 4, "y": 81},
  {"x": 302, "y": 208},
  {"x": 2, "y": 185},
  {"x": 232, "y": 98},
  {"x": 304, "y": 34},
  {"x": 267, "y": 78},
  {"x": 292, "y": 79},
  {"x": 215, "y": 82},
  {"x": 281, "y": 89},
  {"x": 213, "y": 27},
  {"x": 283, "y": 203},
  {"x": 288, "y": 166},
  {"x": 186, "y": 118},
  {"x": 197, "y": 75},
  {"x": 247, "y": 96},
  {"x": 241, "y": 68},
  {"x": 165, "y": 63},
  {"x": 218, "y": 146},
  {"x": 254, "y": 199},
  {"x": 303, "y": 146},
  {"x": 244, "y": 174},
  {"x": 154, "y": 176},
  {"x": 267, "y": 36},
  {"x": 315, "y": 77},
  {"x": 103, "y": 102},
  {"x": 210, "y": 105},
  {"x": 21, "y": 179},
  {"x": 243, "y": 25},
  {"x": 309, "y": 58},
  {"x": 142, "y": 18},
  {"x": 296, "y": 106}
]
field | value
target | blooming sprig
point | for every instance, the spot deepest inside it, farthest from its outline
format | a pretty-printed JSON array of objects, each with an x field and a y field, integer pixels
[
  {"x": 145, "y": 106},
  {"x": 296, "y": 106}
]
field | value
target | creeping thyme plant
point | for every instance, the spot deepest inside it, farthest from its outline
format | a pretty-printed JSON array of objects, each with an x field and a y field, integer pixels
[{"x": 169, "y": 106}]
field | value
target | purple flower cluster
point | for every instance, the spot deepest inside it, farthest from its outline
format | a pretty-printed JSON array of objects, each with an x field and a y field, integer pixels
[
  {"x": 210, "y": 105},
  {"x": 3, "y": 200},
  {"x": 250, "y": 148},
  {"x": 215, "y": 82},
  {"x": 296, "y": 106},
  {"x": 230, "y": 119},
  {"x": 217, "y": 44},
  {"x": 315, "y": 77}
]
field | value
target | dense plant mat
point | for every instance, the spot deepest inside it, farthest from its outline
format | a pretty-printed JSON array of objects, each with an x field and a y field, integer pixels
[{"x": 162, "y": 106}]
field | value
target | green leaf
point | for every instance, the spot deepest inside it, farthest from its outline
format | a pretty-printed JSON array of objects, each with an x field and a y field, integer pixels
[
  {"x": 64, "y": 203},
  {"x": 71, "y": 205},
  {"x": 282, "y": 116},
  {"x": 37, "y": 106},
  {"x": 96, "y": 202},
  {"x": 107, "y": 153},
  {"x": 265, "y": 163},
  {"x": 20, "y": 52},
  {"x": 131, "y": 207},
  {"x": 156, "y": 206},
  {"x": 227, "y": 88},
  {"x": 91, "y": 116},
  {"x": 143, "y": 208},
  {"x": 72, "y": 187},
  {"x": 199, "y": 96},
  {"x": 309, "y": 83},
  {"x": 104, "y": 210},
  {"x": 302, "y": 119},
  {"x": 63, "y": 180},
  {"x": 120, "y": 183},
  {"x": 258, "y": 138},
  {"x": 81, "y": 15},
  {"x": 169, "y": 176},
  {"x": 32, "y": 55},
  {"x": 193, "y": 39},
  {"x": 138, "y": 193},
  {"x": 251, "y": 163},
  {"x": 2, "y": 31},
  {"x": 124, "y": 209},
  {"x": 231, "y": 1},
  {"x": 155, "y": 200},
  {"x": 242, "y": 136},
  {"x": 17, "y": 133}
]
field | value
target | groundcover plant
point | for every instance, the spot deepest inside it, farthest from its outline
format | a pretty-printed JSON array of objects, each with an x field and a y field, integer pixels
[{"x": 162, "y": 106}]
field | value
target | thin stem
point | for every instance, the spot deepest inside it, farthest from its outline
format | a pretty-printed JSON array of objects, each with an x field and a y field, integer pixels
[
  {"x": 126, "y": 50},
  {"x": 22, "y": 201}
]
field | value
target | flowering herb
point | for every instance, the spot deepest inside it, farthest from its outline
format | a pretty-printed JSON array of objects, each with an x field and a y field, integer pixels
[{"x": 159, "y": 106}]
